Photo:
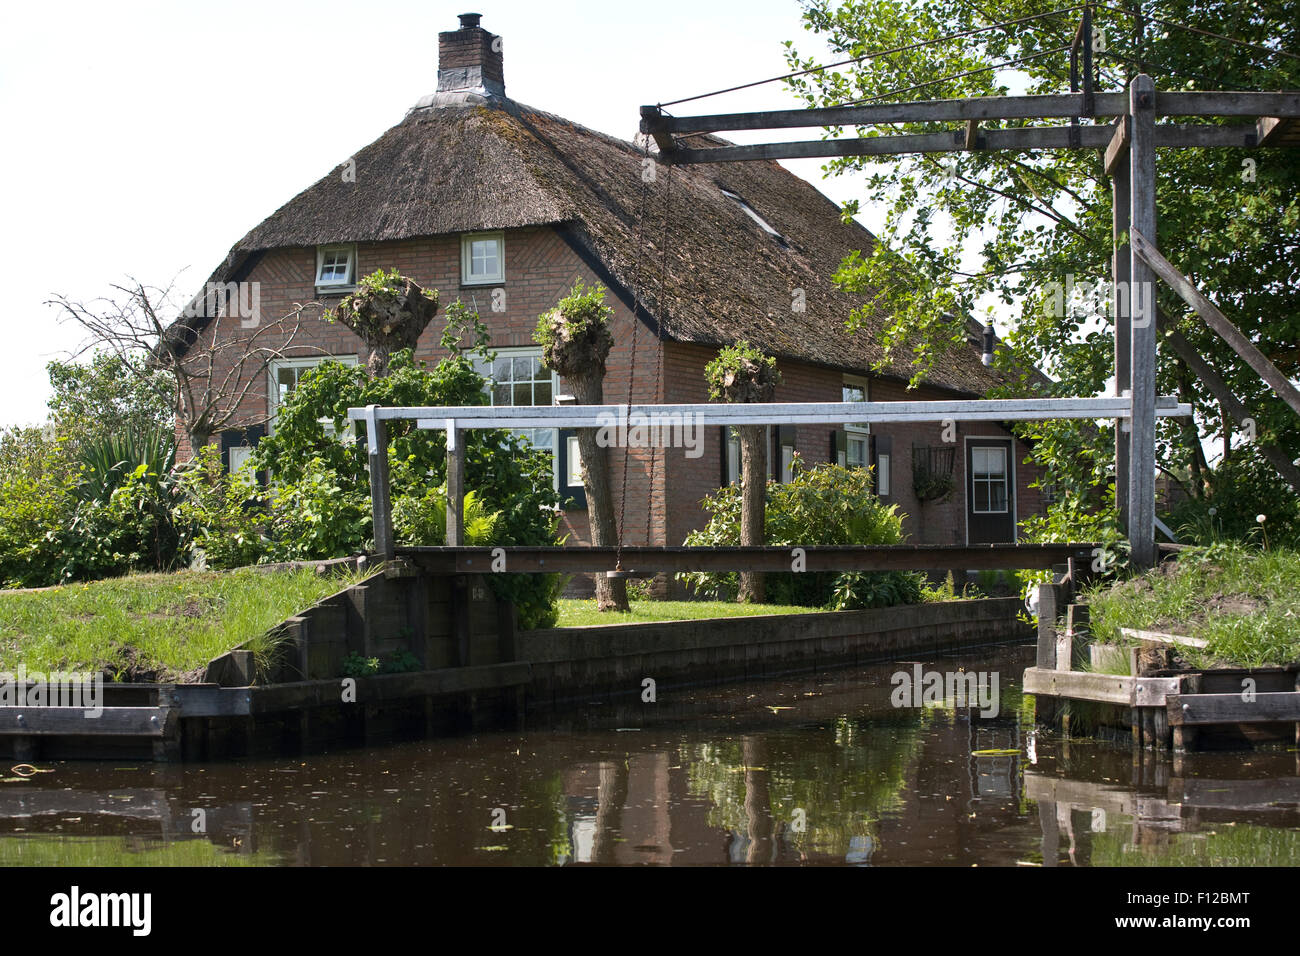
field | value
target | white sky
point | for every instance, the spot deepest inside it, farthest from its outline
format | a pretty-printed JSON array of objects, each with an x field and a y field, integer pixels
[{"x": 145, "y": 138}]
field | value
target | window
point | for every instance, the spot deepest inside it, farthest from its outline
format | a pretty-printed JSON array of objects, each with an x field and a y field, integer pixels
[
  {"x": 482, "y": 258},
  {"x": 989, "y": 480},
  {"x": 287, "y": 373},
  {"x": 748, "y": 211},
  {"x": 731, "y": 454},
  {"x": 574, "y": 477},
  {"x": 239, "y": 456},
  {"x": 336, "y": 267},
  {"x": 858, "y": 435},
  {"x": 518, "y": 377}
]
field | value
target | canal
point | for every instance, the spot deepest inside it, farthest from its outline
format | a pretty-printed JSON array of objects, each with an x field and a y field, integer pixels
[{"x": 815, "y": 769}]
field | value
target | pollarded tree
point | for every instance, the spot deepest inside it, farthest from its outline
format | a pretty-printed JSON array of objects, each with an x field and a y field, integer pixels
[
  {"x": 742, "y": 373},
  {"x": 575, "y": 341},
  {"x": 389, "y": 312}
]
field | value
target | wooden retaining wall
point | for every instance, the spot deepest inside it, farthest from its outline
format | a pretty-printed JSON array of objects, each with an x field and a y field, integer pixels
[
  {"x": 473, "y": 668},
  {"x": 1159, "y": 707},
  {"x": 574, "y": 662}
]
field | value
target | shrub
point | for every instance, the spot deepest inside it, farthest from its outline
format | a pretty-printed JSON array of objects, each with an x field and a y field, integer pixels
[
  {"x": 322, "y": 506},
  {"x": 37, "y": 499},
  {"x": 821, "y": 505},
  {"x": 226, "y": 513}
]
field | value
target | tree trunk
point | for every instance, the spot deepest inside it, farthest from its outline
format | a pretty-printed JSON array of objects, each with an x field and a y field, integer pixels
[
  {"x": 753, "y": 490},
  {"x": 611, "y": 593}
]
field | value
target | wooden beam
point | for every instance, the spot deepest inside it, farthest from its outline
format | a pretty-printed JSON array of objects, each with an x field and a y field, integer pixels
[
  {"x": 1274, "y": 454},
  {"x": 1216, "y": 320},
  {"x": 1159, "y": 637},
  {"x": 619, "y": 419},
  {"x": 1227, "y": 103},
  {"x": 380, "y": 506},
  {"x": 652, "y": 122},
  {"x": 480, "y": 560},
  {"x": 1025, "y": 138},
  {"x": 1119, "y": 271},
  {"x": 1117, "y": 148},
  {"x": 981, "y": 108},
  {"x": 455, "y": 484},
  {"x": 972, "y": 134},
  {"x": 113, "y": 722},
  {"x": 1048, "y": 106},
  {"x": 1231, "y": 709},
  {"x": 1142, "y": 336}
]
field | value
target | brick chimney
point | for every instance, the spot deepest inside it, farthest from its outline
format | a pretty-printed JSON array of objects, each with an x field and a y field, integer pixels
[{"x": 469, "y": 60}]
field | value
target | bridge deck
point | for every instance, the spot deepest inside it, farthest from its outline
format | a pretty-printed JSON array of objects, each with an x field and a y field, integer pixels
[{"x": 918, "y": 557}]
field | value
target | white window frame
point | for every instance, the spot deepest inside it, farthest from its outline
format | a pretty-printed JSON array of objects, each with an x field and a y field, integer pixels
[
  {"x": 337, "y": 285},
  {"x": 237, "y": 456},
  {"x": 466, "y": 252},
  {"x": 306, "y": 361},
  {"x": 526, "y": 351},
  {"x": 574, "y": 458},
  {"x": 858, "y": 431},
  {"x": 732, "y": 451},
  {"x": 1006, "y": 480}
]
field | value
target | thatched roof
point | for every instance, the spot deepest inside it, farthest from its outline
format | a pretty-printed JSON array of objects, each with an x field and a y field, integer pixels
[{"x": 501, "y": 165}]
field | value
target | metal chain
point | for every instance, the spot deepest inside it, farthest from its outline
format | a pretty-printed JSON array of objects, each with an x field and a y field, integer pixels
[
  {"x": 636, "y": 307},
  {"x": 659, "y": 360}
]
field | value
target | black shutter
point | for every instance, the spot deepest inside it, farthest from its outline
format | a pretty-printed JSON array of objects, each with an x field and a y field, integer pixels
[
  {"x": 839, "y": 445},
  {"x": 237, "y": 437}
]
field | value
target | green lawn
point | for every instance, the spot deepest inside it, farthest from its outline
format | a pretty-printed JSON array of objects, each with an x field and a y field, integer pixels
[
  {"x": 581, "y": 613},
  {"x": 1245, "y": 603},
  {"x": 152, "y": 626}
]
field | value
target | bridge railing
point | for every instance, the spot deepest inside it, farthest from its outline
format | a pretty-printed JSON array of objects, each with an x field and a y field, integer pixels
[{"x": 622, "y": 418}]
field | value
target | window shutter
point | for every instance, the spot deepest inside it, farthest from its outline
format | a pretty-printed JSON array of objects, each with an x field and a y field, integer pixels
[{"x": 839, "y": 446}]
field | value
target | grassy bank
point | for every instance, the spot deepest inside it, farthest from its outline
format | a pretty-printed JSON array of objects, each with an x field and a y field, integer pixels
[
  {"x": 1245, "y": 603},
  {"x": 583, "y": 613},
  {"x": 152, "y": 626}
]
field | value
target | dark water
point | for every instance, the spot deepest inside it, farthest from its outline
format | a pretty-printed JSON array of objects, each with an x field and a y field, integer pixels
[{"x": 819, "y": 769}]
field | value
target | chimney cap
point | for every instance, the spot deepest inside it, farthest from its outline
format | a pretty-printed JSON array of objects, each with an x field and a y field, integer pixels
[{"x": 469, "y": 21}]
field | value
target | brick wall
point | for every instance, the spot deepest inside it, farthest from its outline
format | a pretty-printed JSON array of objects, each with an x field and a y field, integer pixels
[{"x": 540, "y": 268}]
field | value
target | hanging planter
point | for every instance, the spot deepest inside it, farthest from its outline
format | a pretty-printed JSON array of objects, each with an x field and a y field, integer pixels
[{"x": 932, "y": 471}]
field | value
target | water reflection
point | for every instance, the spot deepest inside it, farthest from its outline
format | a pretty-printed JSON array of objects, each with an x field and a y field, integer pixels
[{"x": 810, "y": 770}]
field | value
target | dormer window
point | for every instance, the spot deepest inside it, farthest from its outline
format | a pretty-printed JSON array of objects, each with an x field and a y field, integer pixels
[
  {"x": 336, "y": 267},
  {"x": 482, "y": 258},
  {"x": 748, "y": 211}
]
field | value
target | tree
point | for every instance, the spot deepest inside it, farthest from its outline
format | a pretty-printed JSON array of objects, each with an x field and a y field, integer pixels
[
  {"x": 575, "y": 341},
  {"x": 95, "y": 401},
  {"x": 742, "y": 373},
  {"x": 208, "y": 370},
  {"x": 388, "y": 312},
  {"x": 1030, "y": 221}
]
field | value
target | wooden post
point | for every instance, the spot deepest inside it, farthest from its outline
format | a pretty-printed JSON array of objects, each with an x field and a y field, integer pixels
[
  {"x": 1185, "y": 735},
  {"x": 455, "y": 486},
  {"x": 1120, "y": 289},
  {"x": 1047, "y": 605},
  {"x": 380, "y": 506},
  {"x": 1142, "y": 376}
]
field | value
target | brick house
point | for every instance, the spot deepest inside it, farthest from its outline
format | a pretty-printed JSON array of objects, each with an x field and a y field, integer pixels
[{"x": 504, "y": 206}]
